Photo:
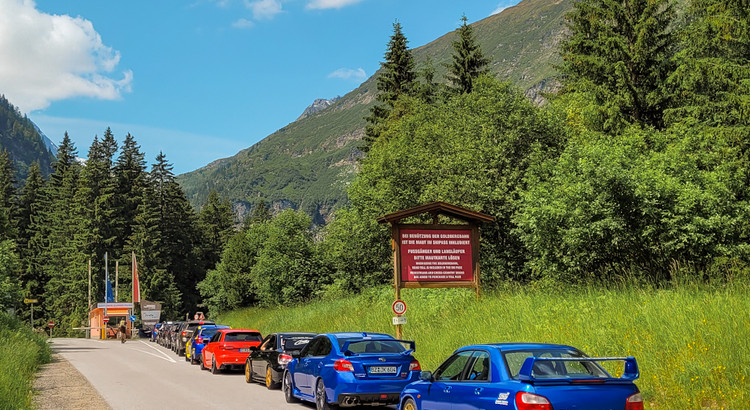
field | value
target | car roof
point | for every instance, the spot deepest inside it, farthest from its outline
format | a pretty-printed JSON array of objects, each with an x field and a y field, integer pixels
[
  {"x": 237, "y": 330},
  {"x": 360, "y": 335},
  {"x": 504, "y": 347},
  {"x": 287, "y": 334}
]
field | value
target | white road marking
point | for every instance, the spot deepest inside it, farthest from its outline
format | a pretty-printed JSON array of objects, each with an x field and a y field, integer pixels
[{"x": 163, "y": 356}]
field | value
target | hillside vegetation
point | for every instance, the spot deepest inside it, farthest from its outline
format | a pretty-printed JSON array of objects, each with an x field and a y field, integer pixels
[
  {"x": 22, "y": 140},
  {"x": 309, "y": 163},
  {"x": 691, "y": 352}
]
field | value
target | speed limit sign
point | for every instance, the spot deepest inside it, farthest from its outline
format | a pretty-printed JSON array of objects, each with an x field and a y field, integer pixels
[{"x": 399, "y": 307}]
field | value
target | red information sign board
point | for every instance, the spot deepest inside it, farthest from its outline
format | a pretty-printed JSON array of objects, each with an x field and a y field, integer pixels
[{"x": 436, "y": 255}]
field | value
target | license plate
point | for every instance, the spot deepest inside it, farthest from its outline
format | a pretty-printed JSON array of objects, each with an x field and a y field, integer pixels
[
  {"x": 382, "y": 369},
  {"x": 245, "y": 350}
]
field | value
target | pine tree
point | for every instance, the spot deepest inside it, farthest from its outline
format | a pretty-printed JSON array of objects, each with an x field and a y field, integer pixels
[
  {"x": 217, "y": 221},
  {"x": 130, "y": 176},
  {"x": 468, "y": 60},
  {"x": 30, "y": 209},
  {"x": 620, "y": 54},
  {"x": 260, "y": 214},
  {"x": 64, "y": 264},
  {"x": 7, "y": 197},
  {"x": 712, "y": 80},
  {"x": 396, "y": 78}
]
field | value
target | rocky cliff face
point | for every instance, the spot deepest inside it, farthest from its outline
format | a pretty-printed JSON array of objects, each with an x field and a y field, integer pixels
[{"x": 317, "y": 106}]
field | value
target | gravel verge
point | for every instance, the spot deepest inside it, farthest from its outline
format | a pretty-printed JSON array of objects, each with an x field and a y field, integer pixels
[{"x": 59, "y": 385}]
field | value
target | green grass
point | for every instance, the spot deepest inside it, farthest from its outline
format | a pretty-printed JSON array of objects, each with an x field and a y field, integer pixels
[
  {"x": 23, "y": 352},
  {"x": 691, "y": 342}
]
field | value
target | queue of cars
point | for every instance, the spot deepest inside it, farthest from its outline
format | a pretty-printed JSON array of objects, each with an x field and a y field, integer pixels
[{"x": 359, "y": 368}]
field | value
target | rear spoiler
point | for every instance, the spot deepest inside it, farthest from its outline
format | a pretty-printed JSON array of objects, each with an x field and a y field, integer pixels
[
  {"x": 347, "y": 352},
  {"x": 630, "y": 373}
]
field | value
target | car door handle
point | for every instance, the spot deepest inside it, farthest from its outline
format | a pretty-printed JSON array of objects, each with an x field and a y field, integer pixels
[
  {"x": 447, "y": 389},
  {"x": 478, "y": 390}
]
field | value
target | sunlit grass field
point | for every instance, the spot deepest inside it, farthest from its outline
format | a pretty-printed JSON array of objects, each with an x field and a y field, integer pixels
[
  {"x": 692, "y": 343},
  {"x": 22, "y": 353}
]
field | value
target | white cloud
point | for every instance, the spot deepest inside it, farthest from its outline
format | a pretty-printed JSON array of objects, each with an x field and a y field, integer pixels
[
  {"x": 45, "y": 58},
  {"x": 264, "y": 9},
  {"x": 243, "y": 23},
  {"x": 330, "y": 4},
  {"x": 349, "y": 74}
]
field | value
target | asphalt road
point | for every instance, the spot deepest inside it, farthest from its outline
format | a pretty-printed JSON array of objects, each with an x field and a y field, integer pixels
[{"x": 143, "y": 375}]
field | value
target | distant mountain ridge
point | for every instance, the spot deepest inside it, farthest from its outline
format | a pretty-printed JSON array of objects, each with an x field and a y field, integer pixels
[
  {"x": 24, "y": 141},
  {"x": 309, "y": 163},
  {"x": 317, "y": 106}
]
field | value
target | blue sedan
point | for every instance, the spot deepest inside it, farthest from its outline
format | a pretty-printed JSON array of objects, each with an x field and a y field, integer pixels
[
  {"x": 351, "y": 369},
  {"x": 524, "y": 376}
]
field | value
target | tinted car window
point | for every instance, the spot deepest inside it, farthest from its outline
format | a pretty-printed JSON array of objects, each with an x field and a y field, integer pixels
[
  {"x": 480, "y": 370},
  {"x": 514, "y": 360},
  {"x": 375, "y": 346},
  {"x": 269, "y": 343},
  {"x": 295, "y": 342},
  {"x": 453, "y": 368},
  {"x": 310, "y": 348},
  {"x": 215, "y": 337},
  {"x": 243, "y": 337}
]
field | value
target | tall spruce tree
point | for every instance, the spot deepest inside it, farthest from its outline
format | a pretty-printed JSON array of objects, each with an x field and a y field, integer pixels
[
  {"x": 620, "y": 53},
  {"x": 712, "y": 80},
  {"x": 217, "y": 221},
  {"x": 468, "y": 60},
  {"x": 130, "y": 176},
  {"x": 30, "y": 212},
  {"x": 64, "y": 264},
  {"x": 396, "y": 78},
  {"x": 260, "y": 214},
  {"x": 7, "y": 197}
]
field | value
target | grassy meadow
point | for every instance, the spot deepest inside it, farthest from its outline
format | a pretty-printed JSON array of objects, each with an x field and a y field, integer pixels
[
  {"x": 692, "y": 343},
  {"x": 23, "y": 352}
]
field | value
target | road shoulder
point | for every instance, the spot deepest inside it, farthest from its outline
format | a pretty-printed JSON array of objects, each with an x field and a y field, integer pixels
[{"x": 59, "y": 385}]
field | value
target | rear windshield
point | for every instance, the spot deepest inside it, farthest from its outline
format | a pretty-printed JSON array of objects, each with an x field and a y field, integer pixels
[
  {"x": 553, "y": 369},
  {"x": 243, "y": 337},
  {"x": 296, "y": 342},
  {"x": 374, "y": 346}
]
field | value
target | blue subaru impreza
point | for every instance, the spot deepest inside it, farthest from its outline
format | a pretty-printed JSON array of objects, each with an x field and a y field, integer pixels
[
  {"x": 351, "y": 369},
  {"x": 525, "y": 376}
]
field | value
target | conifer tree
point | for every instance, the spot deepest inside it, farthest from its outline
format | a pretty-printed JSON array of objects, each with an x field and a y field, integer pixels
[
  {"x": 7, "y": 197},
  {"x": 64, "y": 263},
  {"x": 30, "y": 212},
  {"x": 468, "y": 61},
  {"x": 217, "y": 220},
  {"x": 396, "y": 78},
  {"x": 620, "y": 53},
  {"x": 712, "y": 80},
  {"x": 260, "y": 214},
  {"x": 130, "y": 176}
]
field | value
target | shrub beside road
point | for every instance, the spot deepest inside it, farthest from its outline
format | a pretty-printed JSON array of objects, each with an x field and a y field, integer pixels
[{"x": 23, "y": 352}]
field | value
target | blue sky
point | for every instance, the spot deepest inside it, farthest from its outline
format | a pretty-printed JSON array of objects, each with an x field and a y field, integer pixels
[{"x": 199, "y": 79}]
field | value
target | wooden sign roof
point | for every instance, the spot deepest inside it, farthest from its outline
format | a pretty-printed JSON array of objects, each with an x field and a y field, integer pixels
[{"x": 435, "y": 209}]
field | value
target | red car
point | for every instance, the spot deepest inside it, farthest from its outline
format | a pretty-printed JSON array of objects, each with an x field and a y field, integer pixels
[{"x": 229, "y": 348}]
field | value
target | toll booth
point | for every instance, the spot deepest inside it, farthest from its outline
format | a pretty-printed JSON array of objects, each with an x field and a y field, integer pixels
[{"x": 115, "y": 312}]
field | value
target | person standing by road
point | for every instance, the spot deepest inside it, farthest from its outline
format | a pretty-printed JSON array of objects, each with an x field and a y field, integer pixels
[{"x": 123, "y": 329}]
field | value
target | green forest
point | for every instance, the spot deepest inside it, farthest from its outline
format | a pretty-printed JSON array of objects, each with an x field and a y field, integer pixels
[{"x": 636, "y": 171}]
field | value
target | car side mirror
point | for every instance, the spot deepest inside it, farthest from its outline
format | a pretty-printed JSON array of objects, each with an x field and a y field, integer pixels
[{"x": 426, "y": 376}]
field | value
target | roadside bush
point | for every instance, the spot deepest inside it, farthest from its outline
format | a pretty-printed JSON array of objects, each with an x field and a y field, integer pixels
[{"x": 26, "y": 352}]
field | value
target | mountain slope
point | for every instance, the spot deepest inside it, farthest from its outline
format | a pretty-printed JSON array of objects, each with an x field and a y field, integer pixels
[
  {"x": 23, "y": 140},
  {"x": 308, "y": 164}
]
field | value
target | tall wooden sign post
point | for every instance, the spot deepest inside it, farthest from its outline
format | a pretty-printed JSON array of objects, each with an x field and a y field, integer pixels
[{"x": 435, "y": 255}]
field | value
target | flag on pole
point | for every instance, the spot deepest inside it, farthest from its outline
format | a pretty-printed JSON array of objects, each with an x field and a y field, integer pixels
[
  {"x": 109, "y": 296},
  {"x": 136, "y": 282}
]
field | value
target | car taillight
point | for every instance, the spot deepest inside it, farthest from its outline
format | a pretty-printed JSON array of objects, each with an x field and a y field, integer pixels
[
  {"x": 285, "y": 359},
  {"x": 342, "y": 365},
  {"x": 634, "y": 402},
  {"x": 183, "y": 333},
  {"x": 414, "y": 366},
  {"x": 531, "y": 401},
  {"x": 199, "y": 340}
]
